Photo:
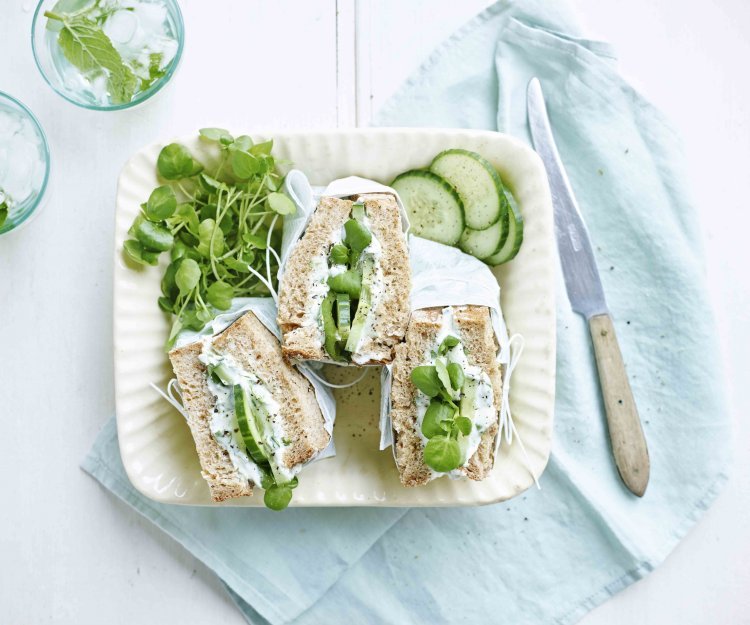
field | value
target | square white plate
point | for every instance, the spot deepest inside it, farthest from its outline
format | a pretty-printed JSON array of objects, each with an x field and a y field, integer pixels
[{"x": 155, "y": 442}]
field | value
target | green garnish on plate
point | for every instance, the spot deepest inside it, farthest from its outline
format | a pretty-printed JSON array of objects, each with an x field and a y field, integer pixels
[{"x": 215, "y": 225}]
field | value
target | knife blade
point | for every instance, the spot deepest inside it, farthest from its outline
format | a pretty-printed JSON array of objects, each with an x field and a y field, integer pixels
[{"x": 586, "y": 295}]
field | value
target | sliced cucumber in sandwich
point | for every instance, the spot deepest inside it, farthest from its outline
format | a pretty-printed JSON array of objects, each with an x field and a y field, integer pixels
[
  {"x": 435, "y": 209},
  {"x": 343, "y": 315},
  {"x": 250, "y": 428},
  {"x": 364, "y": 305},
  {"x": 477, "y": 183},
  {"x": 512, "y": 244}
]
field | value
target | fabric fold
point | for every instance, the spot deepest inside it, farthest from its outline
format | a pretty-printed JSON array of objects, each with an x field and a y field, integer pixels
[{"x": 256, "y": 552}]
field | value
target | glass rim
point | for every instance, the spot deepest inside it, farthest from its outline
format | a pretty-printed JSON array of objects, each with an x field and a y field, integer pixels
[
  {"x": 140, "y": 98},
  {"x": 4, "y": 229}
]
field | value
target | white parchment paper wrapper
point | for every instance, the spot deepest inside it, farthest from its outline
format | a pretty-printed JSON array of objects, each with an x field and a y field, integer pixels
[
  {"x": 264, "y": 309},
  {"x": 445, "y": 276},
  {"x": 306, "y": 197}
]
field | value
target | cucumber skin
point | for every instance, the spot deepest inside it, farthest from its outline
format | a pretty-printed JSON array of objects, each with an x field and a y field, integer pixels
[
  {"x": 499, "y": 187},
  {"x": 504, "y": 256},
  {"x": 447, "y": 186},
  {"x": 465, "y": 247}
]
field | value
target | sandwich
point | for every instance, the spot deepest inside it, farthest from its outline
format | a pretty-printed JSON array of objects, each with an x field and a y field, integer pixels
[
  {"x": 446, "y": 395},
  {"x": 254, "y": 417},
  {"x": 344, "y": 294}
]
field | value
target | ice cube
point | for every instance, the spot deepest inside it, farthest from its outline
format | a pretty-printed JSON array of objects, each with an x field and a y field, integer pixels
[
  {"x": 9, "y": 125},
  {"x": 21, "y": 161},
  {"x": 121, "y": 26}
]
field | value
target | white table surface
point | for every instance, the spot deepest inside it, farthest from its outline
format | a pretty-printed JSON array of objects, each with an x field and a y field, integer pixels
[{"x": 69, "y": 553}]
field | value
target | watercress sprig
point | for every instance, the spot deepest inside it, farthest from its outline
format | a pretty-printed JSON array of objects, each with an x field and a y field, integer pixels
[
  {"x": 443, "y": 424},
  {"x": 215, "y": 225}
]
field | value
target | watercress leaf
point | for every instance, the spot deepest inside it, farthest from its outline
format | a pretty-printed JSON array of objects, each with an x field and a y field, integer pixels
[
  {"x": 456, "y": 374},
  {"x": 179, "y": 249},
  {"x": 168, "y": 284},
  {"x": 173, "y": 332},
  {"x": 85, "y": 45},
  {"x": 236, "y": 265},
  {"x": 135, "y": 251},
  {"x": 189, "y": 240},
  {"x": 463, "y": 424},
  {"x": 244, "y": 164},
  {"x": 220, "y": 295},
  {"x": 227, "y": 223},
  {"x": 187, "y": 275},
  {"x": 339, "y": 254},
  {"x": 192, "y": 321},
  {"x": 444, "y": 376},
  {"x": 447, "y": 343},
  {"x": 442, "y": 454},
  {"x": 175, "y": 162},
  {"x": 265, "y": 165},
  {"x": 185, "y": 213},
  {"x": 432, "y": 423},
  {"x": 263, "y": 149},
  {"x": 204, "y": 315},
  {"x": 136, "y": 222},
  {"x": 257, "y": 240},
  {"x": 294, "y": 482},
  {"x": 215, "y": 134},
  {"x": 208, "y": 211},
  {"x": 277, "y": 497},
  {"x": 248, "y": 256},
  {"x": 3, "y": 213},
  {"x": 166, "y": 304},
  {"x": 349, "y": 282},
  {"x": 272, "y": 183},
  {"x": 211, "y": 238},
  {"x": 280, "y": 203},
  {"x": 161, "y": 203},
  {"x": 211, "y": 184},
  {"x": 425, "y": 378},
  {"x": 223, "y": 271},
  {"x": 153, "y": 236},
  {"x": 243, "y": 142},
  {"x": 358, "y": 237},
  {"x": 196, "y": 169}
]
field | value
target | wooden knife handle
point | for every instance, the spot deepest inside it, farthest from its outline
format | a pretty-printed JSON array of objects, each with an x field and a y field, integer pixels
[{"x": 625, "y": 431}]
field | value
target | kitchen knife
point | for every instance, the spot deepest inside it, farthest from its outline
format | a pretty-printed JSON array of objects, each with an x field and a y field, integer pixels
[{"x": 587, "y": 298}]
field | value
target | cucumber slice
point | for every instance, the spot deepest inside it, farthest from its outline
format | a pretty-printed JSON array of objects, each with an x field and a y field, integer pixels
[
  {"x": 477, "y": 183},
  {"x": 330, "y": 331},
  {"x": 435, "y": 209},
  {"x": 515, "y": 237},
  {"x": 364, "y": 305},
  {"x": 343, "y": 315},
  {"x": 249, "y": 429},
  {"x": 483, "y": 243}
]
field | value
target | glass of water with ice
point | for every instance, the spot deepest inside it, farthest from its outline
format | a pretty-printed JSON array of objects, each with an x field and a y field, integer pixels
[
  {"x": 24, "y": 163},
  {"x": 107, "y": 54}
]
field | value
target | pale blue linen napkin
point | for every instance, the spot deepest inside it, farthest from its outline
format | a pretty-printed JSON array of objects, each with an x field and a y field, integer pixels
[{"x": 550, "y": 555}]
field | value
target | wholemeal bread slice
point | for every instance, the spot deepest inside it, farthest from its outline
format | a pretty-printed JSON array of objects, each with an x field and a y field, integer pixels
[
  {"x": 480, "y": 344},
  {"x": 257, "y": 350},
  {"x": 299, "y": 302}
]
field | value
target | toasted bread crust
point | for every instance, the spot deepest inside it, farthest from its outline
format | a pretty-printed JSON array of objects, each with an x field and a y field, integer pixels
[
  {"x": 254, "y": 348},
  {"x": 224, "y": 481},
  {"x": 301, "y": 334},
  {"x": 480, "y": 344}
]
